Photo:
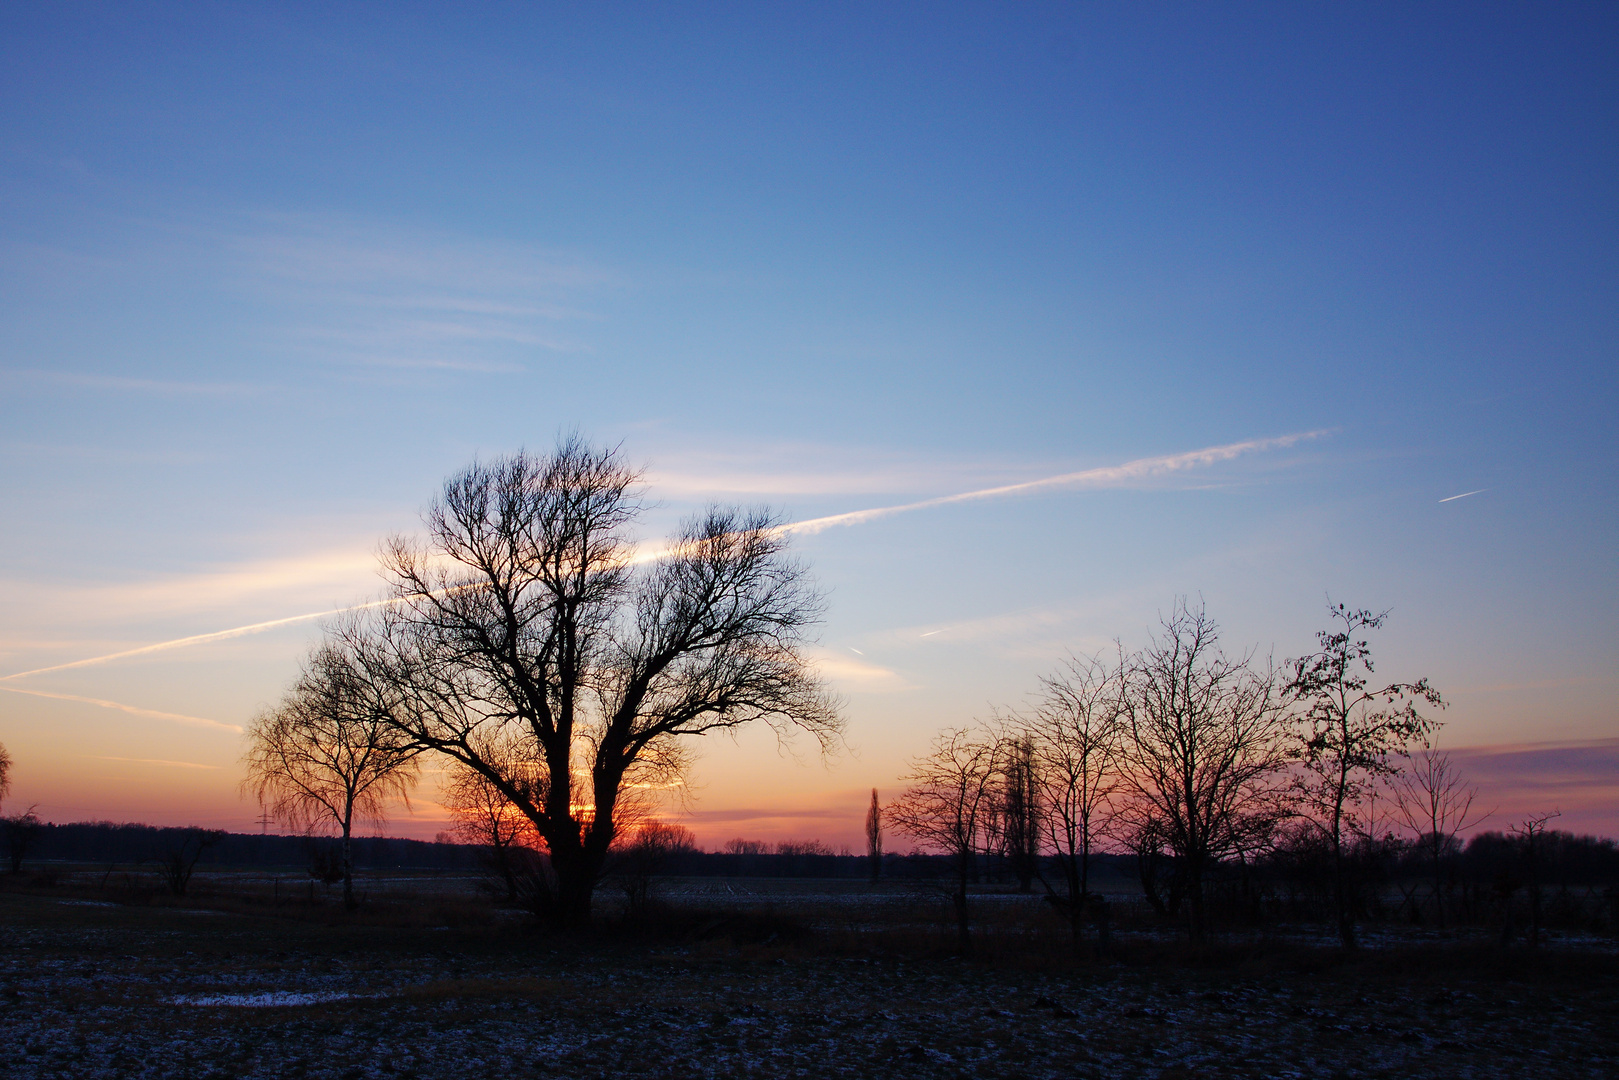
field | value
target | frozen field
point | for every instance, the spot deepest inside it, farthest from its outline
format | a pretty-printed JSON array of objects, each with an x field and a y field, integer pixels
[{"x": 92, "y": 989}]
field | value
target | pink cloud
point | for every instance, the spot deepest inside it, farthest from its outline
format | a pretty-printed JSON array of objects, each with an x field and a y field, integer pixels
[{"x": 1579, "y": 778}]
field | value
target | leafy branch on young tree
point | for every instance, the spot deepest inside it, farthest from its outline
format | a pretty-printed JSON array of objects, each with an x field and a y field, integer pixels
[{"x": 1352, "y": 733}]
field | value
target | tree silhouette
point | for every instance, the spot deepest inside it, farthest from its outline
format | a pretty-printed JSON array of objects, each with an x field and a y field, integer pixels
[
  {"x": 1352, "y": 732},
  {"x": 332, "y": 753},
  {"x": 1205, "y": 746},
  {"x": 951, "y": 793},
  {"x": 530, "y": 615},
  {"x": 874, "y": 836}
]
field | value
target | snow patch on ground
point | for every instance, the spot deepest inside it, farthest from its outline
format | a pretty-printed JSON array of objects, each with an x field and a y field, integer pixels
[{"x": 269, "y": 999}]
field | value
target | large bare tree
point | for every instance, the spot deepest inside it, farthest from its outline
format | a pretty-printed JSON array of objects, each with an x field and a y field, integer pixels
[
  {"x": 1351, "y": 738},
  {"x": 950, "y": 795},
  {"x": 528, "y": 613},
  {"x": 5, "y": 774},
  {"x": 332, "y": 753},
  {"x": 1206, "y": 744},
  {"x": 1076, "y": 732}
]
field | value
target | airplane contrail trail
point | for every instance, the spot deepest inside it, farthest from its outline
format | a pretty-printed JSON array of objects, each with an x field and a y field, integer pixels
[
  {"x": 1140, "y": 468},
  {"x": 195, "y": 639},
  {"x": 135, "y": 709},
  {"x": 1464, "y": 495}
]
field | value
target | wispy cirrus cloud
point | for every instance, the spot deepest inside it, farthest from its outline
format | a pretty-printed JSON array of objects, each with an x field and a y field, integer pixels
[
  {"x": 851, "y": 673},
  {"x": 423, "y": 267},
  {"x": 181, "y": 643},
  {"x": 802, "y": 469},
  {"x": 314, "y": 579},
  {"x": 1579, "y": 777},
  {"x": 133, "y": 710},
  {"x": 128, "y": 384},
  {"x": 156, "y": 761},
  {"x": 371, "y": 295}
]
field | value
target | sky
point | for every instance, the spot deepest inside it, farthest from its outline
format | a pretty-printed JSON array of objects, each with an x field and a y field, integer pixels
[{"x": 1288, "y": 302}]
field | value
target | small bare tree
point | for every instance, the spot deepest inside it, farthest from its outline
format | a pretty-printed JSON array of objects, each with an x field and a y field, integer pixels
[
  {"x": 333, "y": 752},
  {"x": 1531, "y": 837},
  {"x": 1350, "y": 732},
  {"x": 1076, "y": 733},
  {"x": 1205, "y": 747},
  {"x": 951, "y": 792},
  {"x": 184, "y": 848},
  {"x": 874, "y": 836},
  {"x": 484, "y": 817},
  {"x": 646, "y": 855},
  {"x": 1434, "y": 801},
  {"x": 21, "y": 831}
]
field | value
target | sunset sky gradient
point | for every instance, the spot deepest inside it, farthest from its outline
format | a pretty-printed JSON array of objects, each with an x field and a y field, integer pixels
[{"x": 1036, "y": 317}]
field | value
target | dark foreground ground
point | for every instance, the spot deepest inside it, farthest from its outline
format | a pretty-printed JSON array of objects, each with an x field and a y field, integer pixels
[{"x": 94, "y": 989}]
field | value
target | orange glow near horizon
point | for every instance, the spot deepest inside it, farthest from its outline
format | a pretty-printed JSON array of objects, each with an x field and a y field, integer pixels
[{"x": 1580, "y": 780}]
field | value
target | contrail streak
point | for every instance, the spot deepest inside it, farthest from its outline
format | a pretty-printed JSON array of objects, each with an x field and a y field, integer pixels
[
  {"x": 1140, "y": 469},
  {"x": 195, "y": 639},
  {"x": 1464, "y": 495},
  {"x": 156, "y": 761},
  {"x": 135, "y": 709}
]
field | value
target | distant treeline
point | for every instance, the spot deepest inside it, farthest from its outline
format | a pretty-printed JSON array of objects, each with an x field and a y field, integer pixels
[
  {"x": 113, "y": 843},
  {"x": 990, "y": 869}
]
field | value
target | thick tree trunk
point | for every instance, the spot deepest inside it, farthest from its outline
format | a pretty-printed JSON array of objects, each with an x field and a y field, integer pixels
[
  {"x": 577, "y": 873},
  {"x": 575, "y": 889}
]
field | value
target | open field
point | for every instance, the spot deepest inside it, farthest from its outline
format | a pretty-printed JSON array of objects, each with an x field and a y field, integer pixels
[{"x": 786, "y": 979}]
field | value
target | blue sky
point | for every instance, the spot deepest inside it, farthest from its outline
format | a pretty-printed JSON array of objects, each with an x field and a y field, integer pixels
[{"x": 269, "y": 273}]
